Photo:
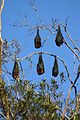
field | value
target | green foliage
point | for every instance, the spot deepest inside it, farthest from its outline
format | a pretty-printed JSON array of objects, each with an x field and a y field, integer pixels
[{"x": 25, "y": 103}]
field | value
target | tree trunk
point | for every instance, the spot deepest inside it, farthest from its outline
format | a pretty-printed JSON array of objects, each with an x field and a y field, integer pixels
[
  {"x": 1, "y": 47},
  {"x": 0, "y": 50}
]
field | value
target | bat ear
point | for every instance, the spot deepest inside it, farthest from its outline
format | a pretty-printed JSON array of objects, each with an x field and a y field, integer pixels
[
  {"x": 37, "y": 40},
  {"x": 59, "y": 37},
  {"x": 40, "y": 65},
  {"x": 55, "y": 70},
  {"x": 15, "y": 72}
]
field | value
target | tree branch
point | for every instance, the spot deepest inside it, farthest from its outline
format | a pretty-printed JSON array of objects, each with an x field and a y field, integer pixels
[
  {"x": 72, "y": 50},
  {"x": 69, "y": 96},
  {"x": 3, "y": 115},
  {"x": 72, "y": 41}
]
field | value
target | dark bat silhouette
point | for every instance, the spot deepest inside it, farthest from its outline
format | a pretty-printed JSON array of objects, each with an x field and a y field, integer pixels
[
  {"x": 55, "y": 70},
  {"x": 40, "y": 65},
  {"x": 59, "y": 37},
  {"x": 15, "y": 72},
  {"x": 37, "y": 40}
]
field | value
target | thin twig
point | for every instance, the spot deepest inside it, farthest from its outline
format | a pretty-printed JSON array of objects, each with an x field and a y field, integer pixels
[
  {"x": 3, "y": 115},
  {"x": 6, "y": 78},
  {"x": 72, "y": 41},
  {"x": 72, "y": 50},
  {"x": 43, "y": 27},
  {"x": 22, "y": 69}
]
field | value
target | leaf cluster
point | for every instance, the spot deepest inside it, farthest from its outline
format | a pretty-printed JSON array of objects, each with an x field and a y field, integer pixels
[{"x": 23, "y": 102}]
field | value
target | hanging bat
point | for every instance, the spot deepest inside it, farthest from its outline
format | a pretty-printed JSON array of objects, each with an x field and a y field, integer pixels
[
  {"x": 59, "y": 37},
  {"x": 55, "y": 70},
  {"x": 40, "y": 65},
  {"x": 15, "y": 72},
  {"x": 37, "y": 40}
]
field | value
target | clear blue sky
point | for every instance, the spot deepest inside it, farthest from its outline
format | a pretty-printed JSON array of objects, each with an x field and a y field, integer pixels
[{"x": 15, "y": 11}]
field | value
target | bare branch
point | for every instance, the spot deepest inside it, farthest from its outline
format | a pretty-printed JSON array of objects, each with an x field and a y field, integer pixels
[
  {"x": 22, "y": 69},
  {"x": 72, "y": 50},
  {"x": 69, "y": 96},
  {"x": 43, "y": 27},
  {"x": 72, "y": 41},
  {"x": 3, "y": 115}
]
